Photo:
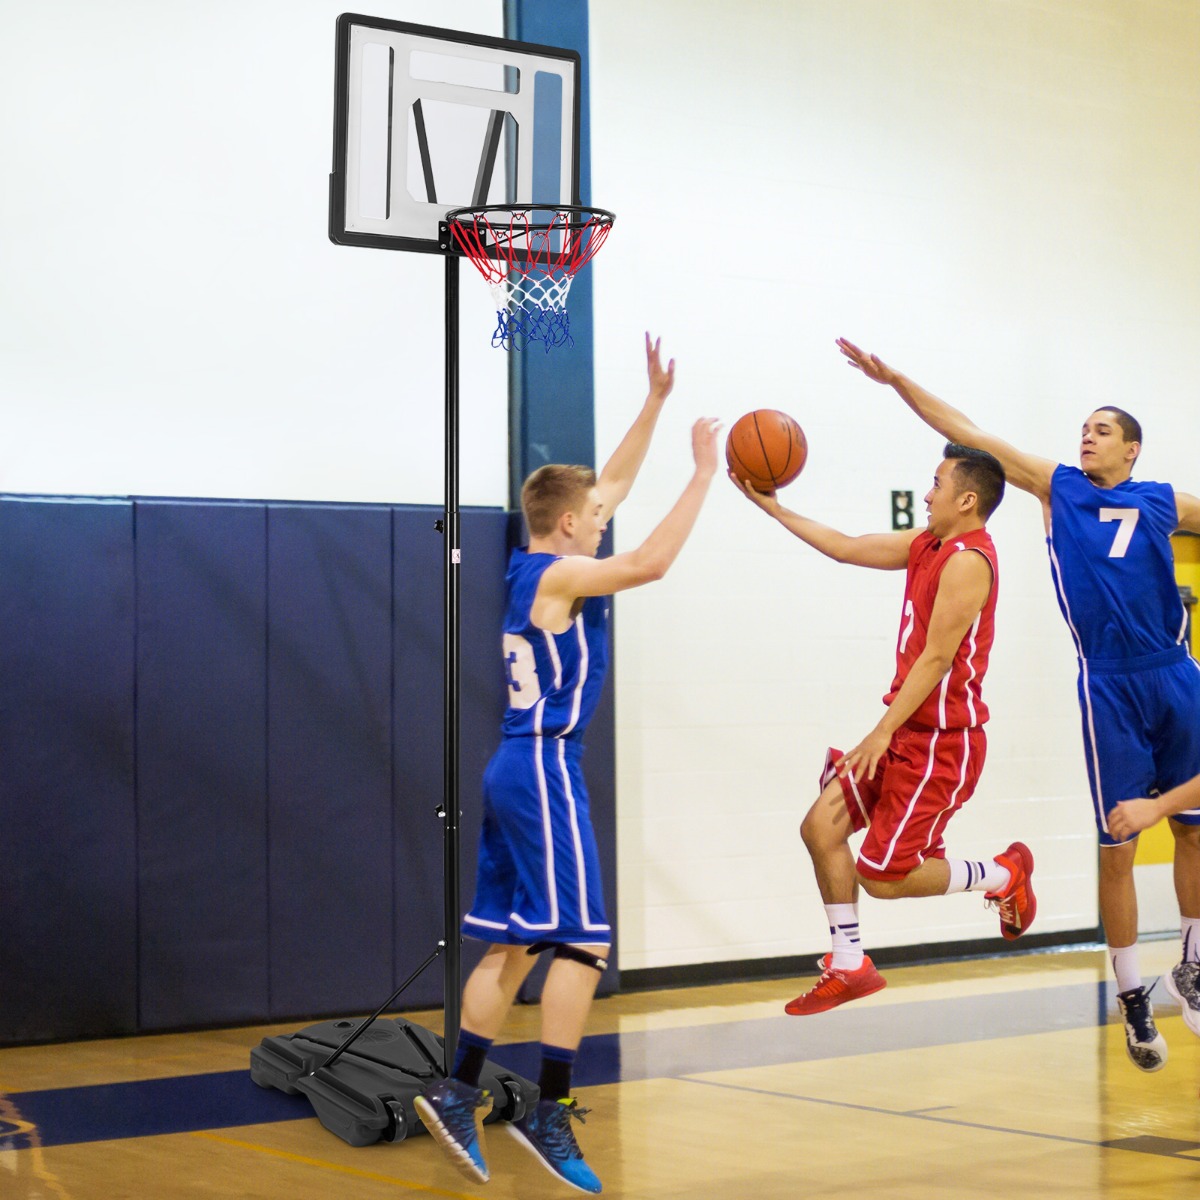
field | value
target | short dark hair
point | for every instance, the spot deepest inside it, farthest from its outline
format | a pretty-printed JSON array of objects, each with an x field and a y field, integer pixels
[
  {"x": 1130, "y": 426},
  {"x": 979, "y": 472},
  {"x": 551, "y": 491}
]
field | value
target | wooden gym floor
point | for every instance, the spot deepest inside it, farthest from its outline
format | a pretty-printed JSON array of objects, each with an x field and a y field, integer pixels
[{"x": 990, "y": 1078}]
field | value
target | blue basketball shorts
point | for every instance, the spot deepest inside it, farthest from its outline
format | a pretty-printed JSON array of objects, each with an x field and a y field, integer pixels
[
  {"x": 538, "y": 876},
  {"x": 1141, "y": 730}
]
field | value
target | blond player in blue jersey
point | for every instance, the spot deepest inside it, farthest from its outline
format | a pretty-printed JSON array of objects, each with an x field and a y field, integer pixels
[{"x": 538, "y": 884}]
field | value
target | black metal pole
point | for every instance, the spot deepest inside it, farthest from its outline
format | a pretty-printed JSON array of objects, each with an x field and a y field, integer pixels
[{"x": 453, "y": 914}]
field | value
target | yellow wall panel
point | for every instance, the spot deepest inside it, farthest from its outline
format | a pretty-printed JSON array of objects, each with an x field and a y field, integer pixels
[{"x": 1156, "y": 845}]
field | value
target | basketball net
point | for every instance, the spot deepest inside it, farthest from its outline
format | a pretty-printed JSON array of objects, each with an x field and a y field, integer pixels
[{"x": 528, "y": 256}]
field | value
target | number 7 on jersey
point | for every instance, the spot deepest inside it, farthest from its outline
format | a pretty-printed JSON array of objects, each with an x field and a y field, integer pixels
[{"x": 1129, "y": 519}]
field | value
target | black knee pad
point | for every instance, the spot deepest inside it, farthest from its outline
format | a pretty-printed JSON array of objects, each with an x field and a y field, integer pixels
[{"x": 574, "y": 953}]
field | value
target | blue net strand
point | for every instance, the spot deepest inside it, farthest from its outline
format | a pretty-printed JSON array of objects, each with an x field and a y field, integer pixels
[{"x": 518, "y": 328}]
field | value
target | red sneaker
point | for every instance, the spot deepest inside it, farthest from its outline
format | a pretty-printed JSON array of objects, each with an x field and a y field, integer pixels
[
  {"x": 1017, "y": 904},
  {"x": 837, "y": 986}
]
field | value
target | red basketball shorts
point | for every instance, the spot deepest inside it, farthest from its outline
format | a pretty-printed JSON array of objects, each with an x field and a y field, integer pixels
[{"x": 925, "y": 777}]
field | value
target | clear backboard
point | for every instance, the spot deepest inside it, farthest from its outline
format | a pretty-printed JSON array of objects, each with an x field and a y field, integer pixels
[{"x": 427, "y": 120}]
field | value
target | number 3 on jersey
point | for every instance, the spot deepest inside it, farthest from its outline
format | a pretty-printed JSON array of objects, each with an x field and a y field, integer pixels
[
  {"x": 522, "y": 672},
  {"x": 1129, "y": 519}
]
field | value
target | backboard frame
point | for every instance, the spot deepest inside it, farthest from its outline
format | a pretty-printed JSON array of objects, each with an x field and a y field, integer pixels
[{"x": 350, "y": 228}]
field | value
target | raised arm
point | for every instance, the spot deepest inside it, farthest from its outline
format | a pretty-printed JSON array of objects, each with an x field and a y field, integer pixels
[
  {"x": 883, "y": 551},
  {"x": 578, "y": 575},
  {"x": 963, "y": 589},
  {"x": 1024, "y": 471},
  {"x": 622, "y": 468}
]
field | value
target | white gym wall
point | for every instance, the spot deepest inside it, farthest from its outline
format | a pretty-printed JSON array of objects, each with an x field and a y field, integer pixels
[
  {"x": 999, "y": 198},
  {"x": 173, "y": 318}
]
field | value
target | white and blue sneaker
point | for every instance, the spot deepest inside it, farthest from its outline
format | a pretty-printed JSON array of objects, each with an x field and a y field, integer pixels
[
  {"x": 546, "y": 1131},
  {"x": 1146, "y": 1047},
  {"x": 1183, "y": 982},
  {"x": 447, "y": 1109}
]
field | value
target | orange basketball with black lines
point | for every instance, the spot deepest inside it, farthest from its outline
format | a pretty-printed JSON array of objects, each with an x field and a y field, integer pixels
[{"x": 766, "y": 448}]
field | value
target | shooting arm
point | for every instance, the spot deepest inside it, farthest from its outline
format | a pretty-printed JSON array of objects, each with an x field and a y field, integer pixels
[{"x": 883, "y": 551}]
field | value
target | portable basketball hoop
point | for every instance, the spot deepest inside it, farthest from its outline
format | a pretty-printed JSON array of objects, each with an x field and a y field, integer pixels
[
  {"x": 427, "y": 121},
  {"x": 529, "y": 254}
]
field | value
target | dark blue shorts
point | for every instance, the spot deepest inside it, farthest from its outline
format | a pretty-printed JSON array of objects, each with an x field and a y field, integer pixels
[
  {"x": 1141, "y": 730},
  {"x": 539, "y": 873}
]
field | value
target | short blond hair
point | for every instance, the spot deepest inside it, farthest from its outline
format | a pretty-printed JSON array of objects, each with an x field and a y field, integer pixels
[{"x": 551, "y": 491}]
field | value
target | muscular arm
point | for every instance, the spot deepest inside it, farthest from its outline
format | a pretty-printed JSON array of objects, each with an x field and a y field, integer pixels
[
  {"x": 1024, "y": 471},
  {"x": 577, "y": 575},
  {"x": 963, "y": 590},
  {"x": 1188, "y": 509},
  {"x": 626, "y": 461},
  {"x": 883, "y": 551}
]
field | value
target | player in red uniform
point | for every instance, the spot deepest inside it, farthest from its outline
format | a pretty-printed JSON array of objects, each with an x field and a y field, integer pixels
[{"x": 920, "y": 764}]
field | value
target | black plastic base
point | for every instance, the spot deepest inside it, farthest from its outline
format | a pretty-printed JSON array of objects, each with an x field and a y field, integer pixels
[{"x": 367, "y": 1095}]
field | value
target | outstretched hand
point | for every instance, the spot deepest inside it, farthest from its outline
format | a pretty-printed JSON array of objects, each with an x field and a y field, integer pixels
[
  {"x": 661, "y": 381},
  {"x": 767, "y": 501},
  {"x": 871, "y": 365},
  {"x": 704, "y": 445},
  {"x": 1132, "y": 816}
]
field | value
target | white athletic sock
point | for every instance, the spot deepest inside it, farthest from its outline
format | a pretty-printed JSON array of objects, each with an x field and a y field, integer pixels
[
  {"x": 1190, "y": 932},
  {"x": 843, "y": 929},
  {"x": 968, "y": 876},
  {"x": 1125, "y": 967}
]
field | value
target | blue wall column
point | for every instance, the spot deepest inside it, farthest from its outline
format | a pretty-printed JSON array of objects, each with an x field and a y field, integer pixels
[
  {"x": 552, "y": 402},
  {"x": 552, "y": 395}
]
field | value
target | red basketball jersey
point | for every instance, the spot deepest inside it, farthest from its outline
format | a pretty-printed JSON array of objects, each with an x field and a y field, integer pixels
[{"x": 956, "y": 702}]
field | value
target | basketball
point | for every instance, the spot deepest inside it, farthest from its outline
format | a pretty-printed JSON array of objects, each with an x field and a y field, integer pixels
[{"x": 766, "y": 448}]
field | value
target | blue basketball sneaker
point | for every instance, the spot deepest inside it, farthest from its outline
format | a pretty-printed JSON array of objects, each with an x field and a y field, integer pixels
[
  {"x": 447, "y": 1109},
  {"x": 547, "y": 1132}
]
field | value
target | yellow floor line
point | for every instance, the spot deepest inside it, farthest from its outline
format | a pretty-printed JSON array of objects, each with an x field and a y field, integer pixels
[{"x": 330, "y": 1166}]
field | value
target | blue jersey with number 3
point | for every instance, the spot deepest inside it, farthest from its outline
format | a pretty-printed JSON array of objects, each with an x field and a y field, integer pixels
[
  {"x": 1114, "y": 572},
  {"x": 554, "y": 679}
]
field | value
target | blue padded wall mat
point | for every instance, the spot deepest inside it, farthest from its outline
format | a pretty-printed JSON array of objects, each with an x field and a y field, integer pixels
[
  {"x": 329, "y": 753},
  {"x": 68, "y": 879},
  {"x": 221, "y": 758},
  {"x": 202, "y": 762}
]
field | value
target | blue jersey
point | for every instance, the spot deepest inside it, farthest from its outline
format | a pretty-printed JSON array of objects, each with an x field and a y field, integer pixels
[
  {"x": 1114, "y": 571},
  {"x": 1139, "y": 689},
  {"x": 554, "y": 679}
]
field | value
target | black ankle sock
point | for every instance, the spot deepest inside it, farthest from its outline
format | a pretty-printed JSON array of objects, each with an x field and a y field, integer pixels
[
  {"x": 472, "y": 1054},
  {"x": 555, "y": 1080}
]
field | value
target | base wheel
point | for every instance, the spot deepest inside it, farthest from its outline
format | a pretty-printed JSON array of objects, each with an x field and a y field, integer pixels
[
  {"x": 398, "y": 1121},
  {"x": 517, "y": 1102}
]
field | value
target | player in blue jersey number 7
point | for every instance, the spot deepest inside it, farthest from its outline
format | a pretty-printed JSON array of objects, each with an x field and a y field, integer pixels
[
  {"x": 538, "y": 882},
  {"x": 1139, "y": 688}
]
